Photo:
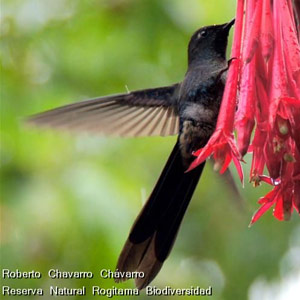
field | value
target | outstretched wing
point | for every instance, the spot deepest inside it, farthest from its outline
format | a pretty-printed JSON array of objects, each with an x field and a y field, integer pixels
[{"x": 141, "y": 113}]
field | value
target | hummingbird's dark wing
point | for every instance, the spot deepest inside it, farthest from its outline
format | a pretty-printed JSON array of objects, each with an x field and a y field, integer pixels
[{"x": 140, "y": 113}]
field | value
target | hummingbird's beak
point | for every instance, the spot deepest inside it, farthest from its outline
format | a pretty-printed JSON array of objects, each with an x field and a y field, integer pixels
[{"x": 228, "y": 25}]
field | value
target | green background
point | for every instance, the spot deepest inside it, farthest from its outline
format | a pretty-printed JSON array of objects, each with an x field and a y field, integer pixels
[{"x": 68, "y": 201}]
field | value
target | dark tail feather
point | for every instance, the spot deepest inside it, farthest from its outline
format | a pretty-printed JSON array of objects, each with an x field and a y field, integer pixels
[{"x": 154, "y": 231}]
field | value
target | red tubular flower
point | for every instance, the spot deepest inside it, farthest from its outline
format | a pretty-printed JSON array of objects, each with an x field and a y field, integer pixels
[
  {"x": 266, "y": 34},
  {"x": 252, "y": 29},
  {"x": 246, "y": 110},
  {"x": 282, "y": 196},
  {"x": 258, "y": 161},
  {"x": 264, "y": 79}
]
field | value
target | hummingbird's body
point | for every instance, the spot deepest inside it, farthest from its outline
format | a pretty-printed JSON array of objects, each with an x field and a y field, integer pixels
[
  {"x": 189, "y": 109},
  {"x": 199, "y": 101}
]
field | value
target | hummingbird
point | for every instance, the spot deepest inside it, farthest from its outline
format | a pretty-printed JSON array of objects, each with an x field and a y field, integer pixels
[{"x": 188, "y": 109}]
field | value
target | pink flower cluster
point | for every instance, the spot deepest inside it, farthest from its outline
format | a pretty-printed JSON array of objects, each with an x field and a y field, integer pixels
[{"x": 264, "y": 85}]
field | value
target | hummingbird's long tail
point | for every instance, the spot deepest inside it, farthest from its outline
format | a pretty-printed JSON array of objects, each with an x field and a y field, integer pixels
[{"x": 154, "y": 231}]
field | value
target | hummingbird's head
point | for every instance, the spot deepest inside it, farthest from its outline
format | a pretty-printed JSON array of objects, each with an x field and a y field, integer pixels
[{"x": 209, "y": 42}]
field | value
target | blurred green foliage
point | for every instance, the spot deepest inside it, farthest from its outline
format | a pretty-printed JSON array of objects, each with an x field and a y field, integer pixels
[{"x": 68, "y": 201}]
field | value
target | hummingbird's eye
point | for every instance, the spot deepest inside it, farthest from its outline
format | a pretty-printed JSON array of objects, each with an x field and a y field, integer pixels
[{"x": 202, "y": 33}]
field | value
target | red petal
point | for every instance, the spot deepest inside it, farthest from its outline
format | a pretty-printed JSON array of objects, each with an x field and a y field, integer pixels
[
  {"x": 202, "y": 156},
  {"x": 278, "y": 210},
  {"x": 261, "y": 211},
  {"x": 226, "y": 163},
  {"x": 269, "y": 197},
  {"x": 239, "y": 168},
  {"x": 266, "y": 179}
]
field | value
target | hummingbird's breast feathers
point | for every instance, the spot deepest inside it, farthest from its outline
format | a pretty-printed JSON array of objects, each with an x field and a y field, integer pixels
[{"x": 203, "y": 84}]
